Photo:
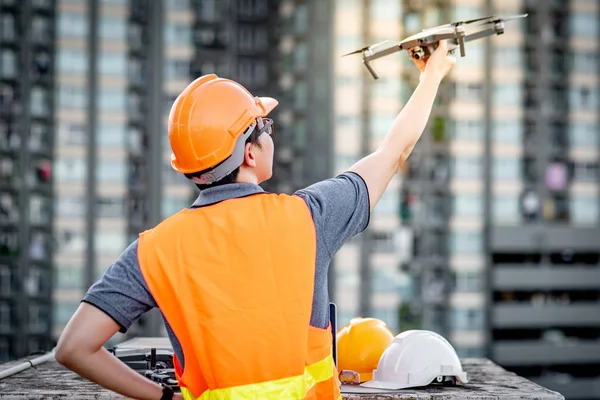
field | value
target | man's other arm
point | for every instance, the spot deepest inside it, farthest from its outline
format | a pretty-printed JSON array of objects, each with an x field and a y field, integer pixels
[{"x": 378, "y": 168}]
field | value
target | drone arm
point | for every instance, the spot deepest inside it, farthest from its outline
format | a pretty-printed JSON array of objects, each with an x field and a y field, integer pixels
[
  {"x": 383, "y": 53},
  {"x": 368, "y": 58},
  {"x": 482, "y": 34}
]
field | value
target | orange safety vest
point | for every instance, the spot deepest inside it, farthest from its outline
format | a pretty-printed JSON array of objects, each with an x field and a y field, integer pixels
[{"x": 235, "y": 282}]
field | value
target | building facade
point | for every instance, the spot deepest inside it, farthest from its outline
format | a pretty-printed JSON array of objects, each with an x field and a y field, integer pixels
[{"x": 27, "y": 126}]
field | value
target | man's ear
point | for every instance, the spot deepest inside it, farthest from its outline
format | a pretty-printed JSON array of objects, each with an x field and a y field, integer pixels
[{"x": 249, "y": 156}]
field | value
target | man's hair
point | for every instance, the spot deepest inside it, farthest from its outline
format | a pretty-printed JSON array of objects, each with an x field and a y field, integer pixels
[{"x": 232, "y": 177}]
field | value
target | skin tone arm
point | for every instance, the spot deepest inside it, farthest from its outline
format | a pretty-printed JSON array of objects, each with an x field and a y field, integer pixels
[
  {"x": 80, "y": 349},
  {"x": 378, "y": 168}
]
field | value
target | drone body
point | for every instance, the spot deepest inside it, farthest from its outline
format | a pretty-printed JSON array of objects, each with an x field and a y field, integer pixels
[{"x": 421, "y": 45}]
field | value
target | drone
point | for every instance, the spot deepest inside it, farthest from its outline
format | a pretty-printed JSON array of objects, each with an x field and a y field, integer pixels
[{"x": 421, "y": 45}]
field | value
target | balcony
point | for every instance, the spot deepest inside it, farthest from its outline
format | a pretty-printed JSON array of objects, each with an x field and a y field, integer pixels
[
  {"x": 532, "y": 277},
  {"x": 526, "y": 315},
  {"x": 543, "y": 237},
  {"x": 535, "y": 352}
]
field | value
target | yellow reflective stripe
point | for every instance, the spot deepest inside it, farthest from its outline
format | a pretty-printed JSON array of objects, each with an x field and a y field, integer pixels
[{"x": 295, "y": 387}]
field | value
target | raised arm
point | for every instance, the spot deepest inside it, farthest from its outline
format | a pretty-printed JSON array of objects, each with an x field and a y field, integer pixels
[{"x": 379, "y": 167}]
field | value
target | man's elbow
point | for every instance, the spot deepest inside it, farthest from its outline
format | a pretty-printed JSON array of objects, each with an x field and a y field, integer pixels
[{"x": 65, "y": 351}]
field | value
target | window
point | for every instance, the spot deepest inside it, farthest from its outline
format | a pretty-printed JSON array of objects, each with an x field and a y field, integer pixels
[
  {"x": 469, "y": 281},
  {"x": 72, "y": 96},
  {"x": 509, "y": 56},
  {"x": 349, "y": 43},
  {"x": 381, "y": 123},
  {"x": 505, "y": 209},
  {"x": 7, "y": 26},
  {"x": 177, "y": 69},
  {"x": 507, "y": 131},
  {"x": 70, "y": 242},
  {"x": 39, "y": 209},
  {"x": 584, "y": 209},
  {"x": 301, "y": 56},
  {"x": 112, "y": 63},
  {"x": 464, "y": 319},
  {"x": 39, "y": 102},
  {"x": 5, "y": 317},
  {"x": 110, "y": 207},
  {"x": 466, "y": 167},
  {"x": 472, "y": 92},
  {"x": 467, "y": 205},
  {"x": 388, "y": 204},
  {"x": 509, "y": 94},
  {"x": 111, "y": 170},
  {"x": 72, "y": 134},
  {"x": 113, "y": 28},
  {"x": 505, "y": 168},
  {"x": 464, "y": 12},
  {"x": 112, "y": 241},
  {"x": 4, "y": 348},
  {"x": 69, "y": 169},
  {"x": 39, "y": 318},
  {"x": 178, "y": 5},
  {"x": 386, "y": 9},
  {"x": 40, "y": 29},
  {"x": 584, "y": 61},
  {"x": 6, "y": 283},
  {"x": 111, "y": 135},
  {"x": 468, "y": 130},
  {"x": 208, "y": 10},
  {"x": 585, "y": 171},
  {"x": 466, "y": 242},
  {"x": 8, "y": 64},
  {"x": 582, "y": 134},
  {"x": 583, "y": 24},
  {"x": 69, "y": 206},
  {"x": 9, "y": 243},
  {"x": 301, "y": 95},
  {"x": 585, "y": 97},
  {"x": 178, "y": 34},
  {"x": 383, "y": 241},
  {"x": 388, "y": 88},
  {"x": 72, "y": 61},
  {"x": 64, "y": 312},
  {"x": 112, "y": 99},
  {"x": 476, "y": 55},
  {"x": 172, "y": 205}
]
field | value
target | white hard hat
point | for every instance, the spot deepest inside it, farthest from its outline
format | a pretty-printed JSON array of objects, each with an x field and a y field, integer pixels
[{"x": 416, "y": 358}]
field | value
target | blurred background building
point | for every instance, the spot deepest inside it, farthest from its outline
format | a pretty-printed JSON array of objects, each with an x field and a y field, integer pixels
[{"x": 488, "y": 236}]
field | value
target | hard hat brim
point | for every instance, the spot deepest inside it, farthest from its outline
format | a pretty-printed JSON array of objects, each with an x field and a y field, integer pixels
[{"x": 268, "y": 104}]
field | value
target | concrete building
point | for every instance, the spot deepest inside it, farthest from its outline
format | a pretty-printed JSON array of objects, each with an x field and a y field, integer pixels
[
  {"x": 27, "y": 122},
  {"x": 503, "y": 190}
]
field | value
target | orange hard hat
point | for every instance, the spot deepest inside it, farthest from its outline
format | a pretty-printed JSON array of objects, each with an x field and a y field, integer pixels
[
  {"x": 360, "y": 345},
  {"x": 206, "y": 122}
]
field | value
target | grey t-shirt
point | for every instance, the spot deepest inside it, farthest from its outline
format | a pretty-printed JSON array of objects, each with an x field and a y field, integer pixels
[{"x": 339, "y": 208}]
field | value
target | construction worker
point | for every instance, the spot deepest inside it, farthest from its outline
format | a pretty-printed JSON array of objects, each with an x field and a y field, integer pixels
[{"x": 240, "y": 277}]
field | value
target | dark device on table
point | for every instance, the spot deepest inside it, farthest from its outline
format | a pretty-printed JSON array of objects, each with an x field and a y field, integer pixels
[
  {"x": 333, "y": 321},
  {"x": 421, "y": 45}
]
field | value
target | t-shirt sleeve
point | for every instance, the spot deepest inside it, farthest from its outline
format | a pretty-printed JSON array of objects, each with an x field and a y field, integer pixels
[
  {"x": 339, "y": 207},
  {"x": 122, "y": 292}
]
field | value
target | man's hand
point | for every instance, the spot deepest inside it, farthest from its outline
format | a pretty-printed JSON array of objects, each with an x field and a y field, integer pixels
[
  {"x": 378, "y": 168},
  {"x": 438, "y": 64}
]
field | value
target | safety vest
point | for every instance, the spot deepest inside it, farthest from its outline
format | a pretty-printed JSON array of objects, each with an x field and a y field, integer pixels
[{"x": 235, "y": 282}]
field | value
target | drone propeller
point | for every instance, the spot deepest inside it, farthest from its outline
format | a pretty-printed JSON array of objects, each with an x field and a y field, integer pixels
[
  {"x": 365, "y": 48},
  {"x": 493, "y": 20},
  {"x": 457, "y": 23}
]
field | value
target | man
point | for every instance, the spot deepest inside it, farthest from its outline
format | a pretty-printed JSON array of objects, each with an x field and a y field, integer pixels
[{"x": 241, "y": 276}]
